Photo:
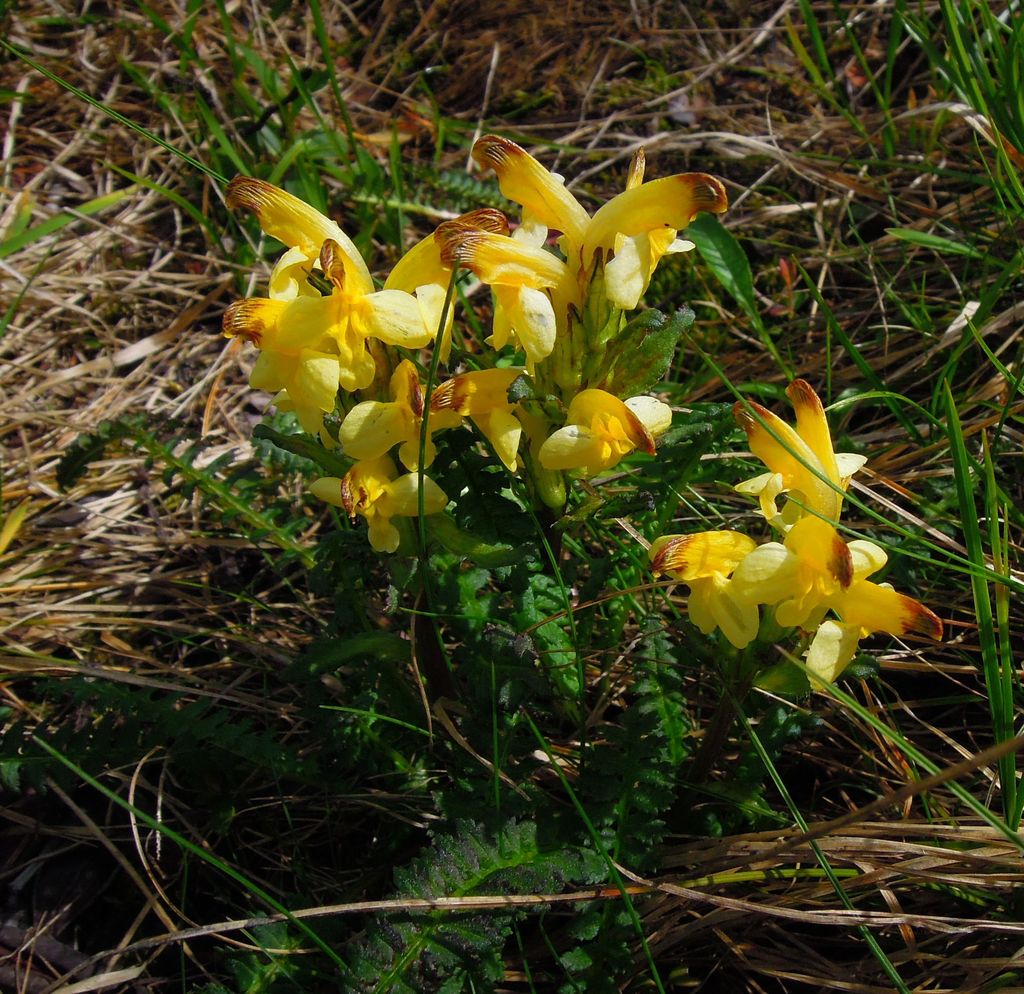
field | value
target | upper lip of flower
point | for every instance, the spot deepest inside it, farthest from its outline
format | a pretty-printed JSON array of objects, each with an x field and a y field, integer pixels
[
  {"x": 803, "y": 458},
  {"x": 667, "y": 204}
]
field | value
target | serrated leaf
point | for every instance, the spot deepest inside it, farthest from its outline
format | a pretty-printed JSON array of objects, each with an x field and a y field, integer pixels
[
  {"x": 88, "y": 448},
  {"x": 305, "y": 446},
  {"x": 471, "y": 547},
  {"x": 642, "y": 353}
]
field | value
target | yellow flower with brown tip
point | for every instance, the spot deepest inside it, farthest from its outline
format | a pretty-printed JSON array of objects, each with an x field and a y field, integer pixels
[
  {"x": 630, "y": 233},
  {"x": 373, "y": 490},
  {"x": 310, "y": 343},
  {"x": 815, "y": 571},
  {"x": 801, "y": 460},
  {"x": 528, "y": 283},
  {"x": 482, "y": 396},
  {"x": 600, "y": 430},
  {"x": 423, "y": 272},
  {"x": 705, "y": 561},
  {"x": 373, "y": 427},
  {"x": 304, "y": 230}
]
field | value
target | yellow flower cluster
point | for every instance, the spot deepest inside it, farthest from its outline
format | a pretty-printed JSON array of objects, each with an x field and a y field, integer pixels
[
  {"x": 325, "y": 327},
  {"x": 813, "y": 571}
]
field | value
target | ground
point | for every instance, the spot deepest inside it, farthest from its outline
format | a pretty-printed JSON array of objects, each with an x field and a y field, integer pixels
[{"x": 158, "y": 593}]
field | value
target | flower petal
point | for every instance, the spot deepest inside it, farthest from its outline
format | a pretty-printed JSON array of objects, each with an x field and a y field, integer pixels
[
  {"x": 848, "y": 463},
  {"x": 532, "y": 316},
  {"x": 498, "y": 259},
  {"x": 574, "y": 447},
  {"x": 298, "y": 225},
  {"x": 600, "y": 409},
  {"x": 383, "y": 535},
  {"x": 328, "y": 488},
  {"x": 289, "y": 277},
  {"x": 315, "y": 382},
  {"x": 272, "y": 371},
  {"x": 477, "y": 392},
  {"x": 783, "y": 451},
  {"x": 878, "y": 608},
  {"x": 526, "y": 182},
  {"x": 655, "y": 416},
  {"x": 822, "y": 550},
  {"x": 252, "y": 319},
  {"x": 702, "y": 554},
  {"x": 738, "y": 617},
  {"x": 420, "y": 266},
  {"x": 812, "y": 426},
  {"x": 371, "y": 428},
  {"x": 403, "y": 496},
  {"x": 672, "y": 202},
  {"x": 394, "y": 317},
  {"x": 627, "y": 275},
  {"x": 767, "y": 574},
  {"x": 867, "y": 558},
  {"x": 503, "y": 430},
  {"x": 832, "y": 648},
  {"x": 306, "y": 323}
]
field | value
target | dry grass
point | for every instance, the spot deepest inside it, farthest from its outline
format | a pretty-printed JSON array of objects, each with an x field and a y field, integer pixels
[{"x": 128, "y": 578}]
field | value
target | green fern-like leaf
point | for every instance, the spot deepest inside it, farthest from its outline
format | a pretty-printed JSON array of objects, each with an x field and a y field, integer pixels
[
  {"x": 447, "y": 950},
  {"x": 88, "y": 448}
]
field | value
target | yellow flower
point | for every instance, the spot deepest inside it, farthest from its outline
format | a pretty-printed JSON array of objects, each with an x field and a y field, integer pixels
[
  {"x": 525, "y": 279},
  {"x": 801, "y": 461},
  {"x": 705, "y": 561},
  {"x": 600, "y": 429},
  {"x": 423, "y": 272},
  {"x": 296, "y": 359},
  {"x": 373, "y": 427},
  {"x": 814, "y": 571},
  {"x": 371, "y": 489},
  {"x": 630, "y": 233},
  {"x": 310, "y": 344},
  {"x": 304, "y": 230},
  {"x": 482, "y": 396}
]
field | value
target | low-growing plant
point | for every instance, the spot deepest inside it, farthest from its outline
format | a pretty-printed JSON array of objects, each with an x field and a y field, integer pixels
[{"x": 519, "y": 482}]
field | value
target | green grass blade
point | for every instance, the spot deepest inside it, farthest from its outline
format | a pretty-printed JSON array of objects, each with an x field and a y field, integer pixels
[
  {"x": 833, "y": 878},
  {"x": 62, "y": 220},
  {"x": 111, "y": 113},
  {"x": 248, "y": 885},
  {"x": 1000, "y": 703}
]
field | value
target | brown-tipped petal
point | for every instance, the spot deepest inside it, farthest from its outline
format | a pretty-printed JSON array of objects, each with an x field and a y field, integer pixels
[
  {"x": 350, "y": 499},
  {"x": 672, "y": 202},
  {"x": 499, "y": 260},
  {"x": 812, "y": 425},
  {"x": 246, "y": 193},
  {"x": 784, "y": 451},
  {"x": 405, "y": 387},
  {"x": 640, "y": 434},
  {"x": 477, "y": 392},
  {"x": 923, "y": 620},
  {"x": 444, "y": 397},
  {"x": 840, "y": 562},
  {"x": 251, "y": 319},
  {"x": 876, "y": 607},
  {"x": 281, "y": 215},
  {"x": 821, "y": 549},
  {"x": 524, "y": 180},
  {"x": 331, "y": 262},
  {"x": 484, "y": 219},
  {"x": 297, "y": 224},
  {"x": 703, "y": 554}
]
